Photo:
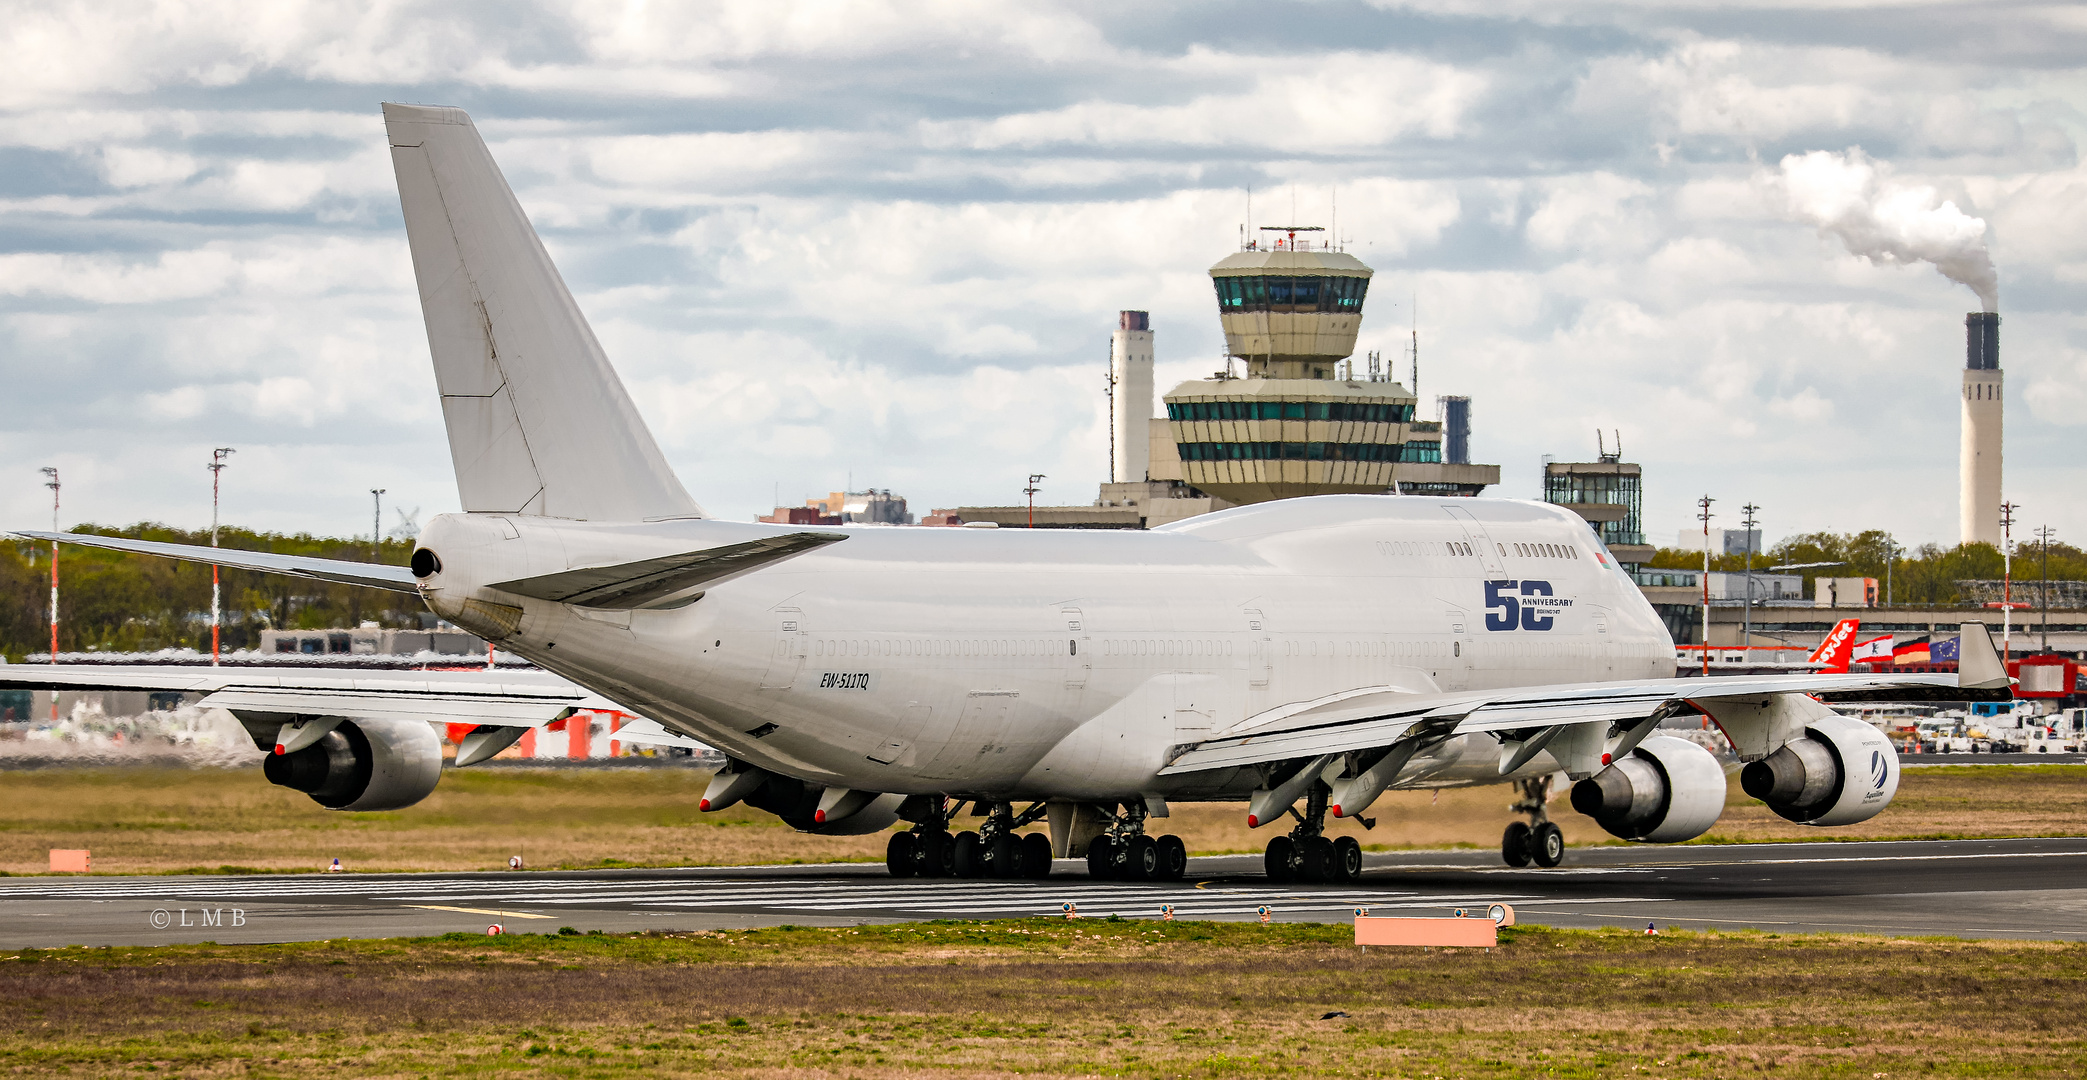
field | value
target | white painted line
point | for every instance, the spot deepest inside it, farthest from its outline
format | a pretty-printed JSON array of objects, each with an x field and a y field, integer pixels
[{"x": 482, "y": 911}]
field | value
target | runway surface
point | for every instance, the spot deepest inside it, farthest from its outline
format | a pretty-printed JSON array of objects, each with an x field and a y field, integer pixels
[{"x": 1970, "y": 888}]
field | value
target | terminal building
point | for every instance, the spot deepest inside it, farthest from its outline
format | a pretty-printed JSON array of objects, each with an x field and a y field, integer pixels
[{"x": 1298, "y": 422}]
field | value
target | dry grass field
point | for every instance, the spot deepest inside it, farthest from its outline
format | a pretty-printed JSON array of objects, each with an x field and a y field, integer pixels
[
  {"x": 1051, "y": 999},
  {"x": 172, "y": 820}
]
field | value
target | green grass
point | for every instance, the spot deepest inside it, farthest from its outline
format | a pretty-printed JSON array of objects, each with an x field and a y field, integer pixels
[{"x": 1051, "y": 998}]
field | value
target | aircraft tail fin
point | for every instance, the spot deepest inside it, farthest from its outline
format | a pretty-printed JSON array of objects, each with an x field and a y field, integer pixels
[
  {"x": 1834, "y": 653},
  {"x": 538, "y": 421}
]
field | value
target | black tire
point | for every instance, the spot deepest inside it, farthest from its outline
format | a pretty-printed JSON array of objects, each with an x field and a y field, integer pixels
[
  {"x": 1281, "y": 859},
  {"x": 1173, "y": 858},
  {"x": 1036, "y": 855},
  {"x": 1004, "y": 857},
  {"x": 937, "y": 853},
  {"x": 1547, "y": 845},
  {"x": 1101, "y": 858},
  {"x": 1347, "y": 859},
  {"x": 902, "y": 855},
  {"x": 1316, "y": 855},
  {"x": 1516, "y": 844},
  {"x": 970, "y": 858},
  {"x": 1143, "y": 861}
]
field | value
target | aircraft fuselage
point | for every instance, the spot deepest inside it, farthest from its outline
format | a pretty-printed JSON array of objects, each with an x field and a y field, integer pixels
[{"x": 1051, "y": 664}]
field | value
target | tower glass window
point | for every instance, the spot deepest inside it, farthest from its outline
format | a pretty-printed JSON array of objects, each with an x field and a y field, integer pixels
[{"x": 1291, "y": 294}]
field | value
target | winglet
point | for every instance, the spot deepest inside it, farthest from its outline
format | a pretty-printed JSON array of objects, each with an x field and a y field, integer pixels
[{"x": 1978, "y": 663}]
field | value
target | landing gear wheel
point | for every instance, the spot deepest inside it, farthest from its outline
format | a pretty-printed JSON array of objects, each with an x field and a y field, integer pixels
[
  {"x": 970, "y": 857},
  {"x": 1347, "y": 859},
  {"x": 1036, "y": 855},
  {"x": 936, "y": 852},
  {"x": 1281, "y": 859},
  {"x": 1547, "y": 845},
  {"x": 1316, "y": 855},
  {"x": 1173, "y": 858},
  {"x": 1143, "y": 861},
  {"x": 1004, "y": 857},
  {"x": 1517, "y": 844},
  {"x": 1101, "y": 858},
  {"x": 902, "y": 855}
]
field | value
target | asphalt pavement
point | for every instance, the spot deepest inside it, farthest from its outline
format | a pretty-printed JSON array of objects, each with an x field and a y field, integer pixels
[{"x": 1967, "y": 888}]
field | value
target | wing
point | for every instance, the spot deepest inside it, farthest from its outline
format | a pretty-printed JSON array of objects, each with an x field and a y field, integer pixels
[
  {"x": 650, "y": 581},
  {"x": 374, "y": 575},
  {"x": 1565, "y": 717},
  {"x": 500, "y": 705}
]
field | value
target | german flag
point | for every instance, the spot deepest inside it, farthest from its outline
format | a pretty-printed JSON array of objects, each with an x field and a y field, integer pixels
[{"x": 1910, "y": 651}]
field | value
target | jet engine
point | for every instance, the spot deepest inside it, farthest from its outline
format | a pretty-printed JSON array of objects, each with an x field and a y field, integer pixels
[
  {"x": 363, "y": 765},
  {"x": 1665, "y": 791},
  {"x": 1839, "y": 772}
]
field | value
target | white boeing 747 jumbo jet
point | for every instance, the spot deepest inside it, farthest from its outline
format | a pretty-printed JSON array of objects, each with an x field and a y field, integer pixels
[{"x": 1314, "y": 651}]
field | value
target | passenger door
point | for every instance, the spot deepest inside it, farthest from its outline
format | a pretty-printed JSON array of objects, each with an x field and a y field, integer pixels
[{"x": 786, "y": 655}]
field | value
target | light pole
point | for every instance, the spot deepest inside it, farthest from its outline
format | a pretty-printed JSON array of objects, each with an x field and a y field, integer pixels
[
  {"x": 1031, "y": 491},
  {"x": 377, "y": 524},
  {"x": 217, "y": 468},
  {"x": 52, "y": 483},
  {"x": 1891, "y": 560},
  {"x": 2043, "y": 540},
  {"x": 2007, "y": 579},
  {"x": 1747, "y": 618},
  {"x": 1704, "y": 515}
]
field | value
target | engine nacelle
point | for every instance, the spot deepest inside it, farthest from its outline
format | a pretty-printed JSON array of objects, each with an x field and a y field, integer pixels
[
  {"x": 363, "y": 765},
  {"x": 1839, "y": 772},
  {"x": 1665, "y": 791}
]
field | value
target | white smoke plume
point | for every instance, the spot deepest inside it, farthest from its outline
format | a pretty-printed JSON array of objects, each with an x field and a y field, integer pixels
[{"x": 1856, "y": 199}]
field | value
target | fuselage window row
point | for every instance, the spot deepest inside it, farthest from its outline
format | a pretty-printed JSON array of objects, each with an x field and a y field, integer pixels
[{"x": 1424, "y": 547}]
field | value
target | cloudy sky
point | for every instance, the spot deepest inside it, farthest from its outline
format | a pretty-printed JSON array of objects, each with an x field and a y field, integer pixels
[{"x": 885, "y": 242}]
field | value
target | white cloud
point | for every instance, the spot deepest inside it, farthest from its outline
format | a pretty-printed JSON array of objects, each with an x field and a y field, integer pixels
[{"x": 889, "y": 239}]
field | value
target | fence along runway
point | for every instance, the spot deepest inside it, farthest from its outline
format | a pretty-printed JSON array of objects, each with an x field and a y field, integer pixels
[{"x": 2015, "y": 888}]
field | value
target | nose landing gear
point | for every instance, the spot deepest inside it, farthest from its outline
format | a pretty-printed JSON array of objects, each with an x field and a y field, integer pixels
[
  {"x": 1538, "y": 840},
  {"x": 1308, "y": 855}
]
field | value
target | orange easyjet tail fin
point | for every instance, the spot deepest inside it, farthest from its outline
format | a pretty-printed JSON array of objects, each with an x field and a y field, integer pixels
[{"x": 1833, "y": 653}]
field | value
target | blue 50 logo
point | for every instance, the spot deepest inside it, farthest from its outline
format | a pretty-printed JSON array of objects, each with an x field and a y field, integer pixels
[{"x": 1522, "y": 605}]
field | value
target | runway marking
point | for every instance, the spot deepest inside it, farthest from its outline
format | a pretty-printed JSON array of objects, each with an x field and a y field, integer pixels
[{"x": 482, "y": 911}]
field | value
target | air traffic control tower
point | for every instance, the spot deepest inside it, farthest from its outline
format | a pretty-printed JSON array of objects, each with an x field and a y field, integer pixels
[{"x": 1297, "y": 423}]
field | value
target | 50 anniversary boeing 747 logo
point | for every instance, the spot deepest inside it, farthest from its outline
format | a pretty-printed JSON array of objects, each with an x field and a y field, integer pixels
[
  {"x": 1069, "y": 680},
  {"x": 1523, "y": 605}
]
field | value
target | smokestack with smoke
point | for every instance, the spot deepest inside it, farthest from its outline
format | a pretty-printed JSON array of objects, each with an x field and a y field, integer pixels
[{"x": 1855, "y": 199}]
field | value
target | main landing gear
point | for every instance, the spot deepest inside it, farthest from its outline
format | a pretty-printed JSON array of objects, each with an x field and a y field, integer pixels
[
  {"x": 1123, "y": 852},
  {"x": 1308, "y": 855},
  {"x": 1538, "y": 839},
  {"x": 995, "y": 850}
]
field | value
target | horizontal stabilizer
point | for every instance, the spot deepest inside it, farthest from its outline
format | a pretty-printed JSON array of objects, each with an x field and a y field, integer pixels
[
  {"x": 649, "y": 581},
  {"x": 373, "y": 575}
]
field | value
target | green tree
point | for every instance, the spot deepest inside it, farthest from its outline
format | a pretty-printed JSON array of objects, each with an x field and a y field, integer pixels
[{"x": 116, "y": 601}]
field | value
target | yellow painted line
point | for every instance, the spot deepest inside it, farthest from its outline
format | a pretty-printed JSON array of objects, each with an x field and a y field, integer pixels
[{"x": 481, "y": 911}]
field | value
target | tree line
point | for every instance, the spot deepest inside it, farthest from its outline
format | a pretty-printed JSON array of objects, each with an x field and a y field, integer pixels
[
  {"x": 114, "y": 601},
  {"x": 1927, "y": 574}
]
